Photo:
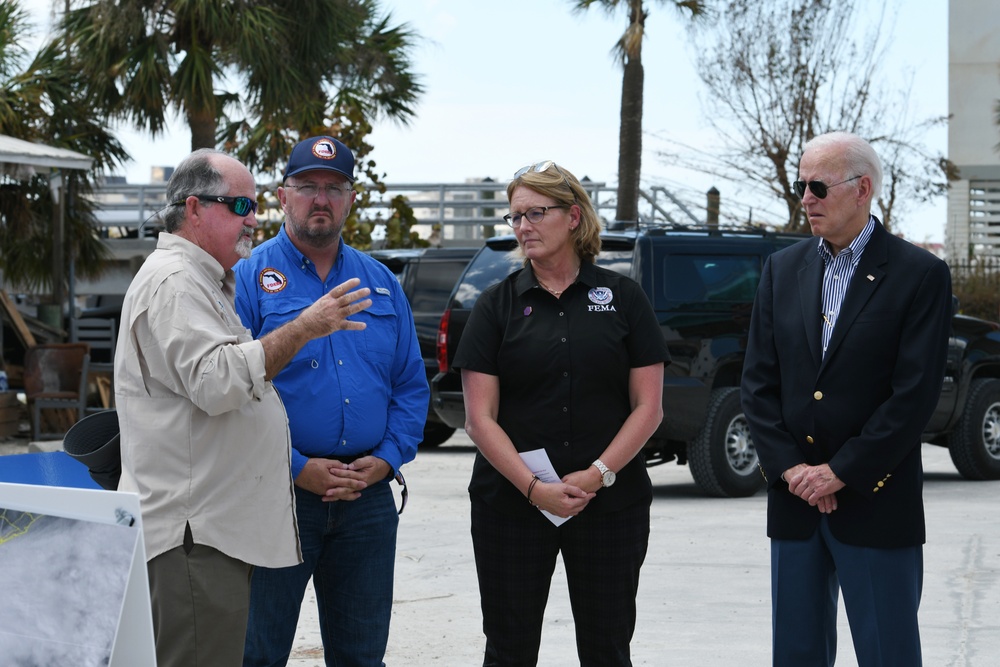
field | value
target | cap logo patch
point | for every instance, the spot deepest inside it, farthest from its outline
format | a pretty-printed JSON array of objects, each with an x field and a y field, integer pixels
[
  {"x": 272, "y": 281},
  {"x": 324, "y": 149}
]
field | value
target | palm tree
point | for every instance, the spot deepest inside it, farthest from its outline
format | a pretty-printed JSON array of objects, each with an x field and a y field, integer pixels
[
  {"x": 41, "y": 101},
  {"x": 253, "y": 77},
  {"x": 629, "y": 51}
]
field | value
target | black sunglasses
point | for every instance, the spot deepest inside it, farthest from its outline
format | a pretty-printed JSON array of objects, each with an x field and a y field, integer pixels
[
  {"x": 241, "y": 206},
  {"x": 818, "y": 188}
]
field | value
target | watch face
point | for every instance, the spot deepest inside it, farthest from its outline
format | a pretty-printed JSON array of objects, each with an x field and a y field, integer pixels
[{"x": 608, "y": 478}]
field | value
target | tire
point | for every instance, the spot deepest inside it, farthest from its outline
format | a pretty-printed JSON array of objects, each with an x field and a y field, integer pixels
[
  {"x": 436, "y": 434},
  {"x": 723, "y": 459},
  {"x": 974, "y": 443}
]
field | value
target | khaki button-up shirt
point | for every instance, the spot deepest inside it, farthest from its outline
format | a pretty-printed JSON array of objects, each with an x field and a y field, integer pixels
[{"x": 204, "y": 436}]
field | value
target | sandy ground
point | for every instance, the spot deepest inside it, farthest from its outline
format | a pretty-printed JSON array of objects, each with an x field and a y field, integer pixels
[{"x": 704, "y": 596}]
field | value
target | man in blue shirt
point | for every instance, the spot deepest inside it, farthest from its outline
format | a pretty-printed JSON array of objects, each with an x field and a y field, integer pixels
[{"x": 356, "y": 407}]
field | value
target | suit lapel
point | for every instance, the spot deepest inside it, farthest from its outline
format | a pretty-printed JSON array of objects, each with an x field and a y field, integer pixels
[
  {"x": 810, "y": 288},
  {"x": 865, "y": 281}
]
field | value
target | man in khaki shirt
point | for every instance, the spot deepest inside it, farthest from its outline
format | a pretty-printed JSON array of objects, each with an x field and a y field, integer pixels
[{"x": 204, "y": 435}]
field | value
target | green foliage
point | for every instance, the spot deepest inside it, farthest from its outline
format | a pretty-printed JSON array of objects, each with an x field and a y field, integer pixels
[
  {"x": 253, "y": 78},
  {"x": 353, "y": 130},
  {"x": 628, "y": 50},
  {"x": 42, "y": 101},
  {"x": 977, "y": 286}
]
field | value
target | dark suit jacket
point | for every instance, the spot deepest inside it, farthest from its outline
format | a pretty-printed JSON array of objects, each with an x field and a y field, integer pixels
[{"x": 863, "y": 407}]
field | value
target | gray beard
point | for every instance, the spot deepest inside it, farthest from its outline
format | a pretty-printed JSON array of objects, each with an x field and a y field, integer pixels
[{"x": 244, "y": 247}]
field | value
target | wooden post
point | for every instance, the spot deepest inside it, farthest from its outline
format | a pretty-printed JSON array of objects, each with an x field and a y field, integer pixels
[{"x": 712, "y": 208}]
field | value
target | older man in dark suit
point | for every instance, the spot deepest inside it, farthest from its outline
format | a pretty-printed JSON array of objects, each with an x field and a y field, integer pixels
[{"x": 844, "y": 366}]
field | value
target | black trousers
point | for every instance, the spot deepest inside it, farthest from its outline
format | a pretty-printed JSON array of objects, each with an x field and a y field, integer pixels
[{"x": 515, "y": 558}]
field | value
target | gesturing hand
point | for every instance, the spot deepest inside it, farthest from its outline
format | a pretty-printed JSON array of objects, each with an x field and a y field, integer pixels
[{"x": 330, "y": 312}]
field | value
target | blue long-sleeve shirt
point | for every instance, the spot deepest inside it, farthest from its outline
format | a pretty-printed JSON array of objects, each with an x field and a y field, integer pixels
[{"x": 352, "y": 391}]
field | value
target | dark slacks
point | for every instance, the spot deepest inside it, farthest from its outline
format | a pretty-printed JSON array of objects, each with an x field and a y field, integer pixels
[
  {"x": 200, "y": 602},
  {"x": 881, "y": 590},
  {"x": 515, "y": 558}
]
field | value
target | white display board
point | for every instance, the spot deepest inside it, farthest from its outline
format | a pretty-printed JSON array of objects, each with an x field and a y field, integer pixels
[{"x": 73, "y": 578}]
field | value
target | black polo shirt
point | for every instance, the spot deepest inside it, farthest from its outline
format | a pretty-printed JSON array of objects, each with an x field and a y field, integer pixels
[{"x": 563, "y": 366}]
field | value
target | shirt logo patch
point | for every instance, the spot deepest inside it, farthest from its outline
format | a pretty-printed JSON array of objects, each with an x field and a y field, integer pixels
[
  {"x": 272, "y": 281},
  {"x": 383, "y": 290},
  {"x": 600, "y": 295}
]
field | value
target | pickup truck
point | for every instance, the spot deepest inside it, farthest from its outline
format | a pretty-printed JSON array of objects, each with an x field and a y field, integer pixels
[{"x": 701, "y": 282}]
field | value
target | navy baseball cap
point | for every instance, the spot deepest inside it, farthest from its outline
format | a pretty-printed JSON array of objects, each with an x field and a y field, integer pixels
[{"x": 320, "y": 153}]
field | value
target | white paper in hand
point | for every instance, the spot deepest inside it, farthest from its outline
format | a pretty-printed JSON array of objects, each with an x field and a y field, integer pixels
[{"x": 540, "y": 465}]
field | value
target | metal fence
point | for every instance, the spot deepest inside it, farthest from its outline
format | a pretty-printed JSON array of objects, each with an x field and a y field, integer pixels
[
  {"x": 976, "y": 283},
  {"x": 124, "y": 210}
]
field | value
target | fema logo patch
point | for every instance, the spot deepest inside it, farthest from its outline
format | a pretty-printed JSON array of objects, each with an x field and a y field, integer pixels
[
  {"x": 272, "y": 281},
  {"x": 600, "y": 295}
]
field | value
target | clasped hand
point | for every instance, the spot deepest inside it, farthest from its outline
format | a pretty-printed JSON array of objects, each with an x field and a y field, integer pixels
[
  {"x": 817, "y": 485},
  {"x": 564, "y": 498},
  {"x": 334, "y": 480}
]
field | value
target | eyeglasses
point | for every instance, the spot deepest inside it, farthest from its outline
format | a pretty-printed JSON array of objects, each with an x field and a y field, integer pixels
[
  {"x": 241, "y": 206},
  {"x": 818, "y": 188},
  {"x": 311, "y": 191},
  {"x": 534, "y": 215}
]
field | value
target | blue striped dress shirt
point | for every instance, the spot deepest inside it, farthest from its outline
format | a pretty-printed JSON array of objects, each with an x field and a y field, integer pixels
[{"x": 837, "y": 274}]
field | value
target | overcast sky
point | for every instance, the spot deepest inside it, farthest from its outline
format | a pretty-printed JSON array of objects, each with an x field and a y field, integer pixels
[{"x": 512, "y": 83}]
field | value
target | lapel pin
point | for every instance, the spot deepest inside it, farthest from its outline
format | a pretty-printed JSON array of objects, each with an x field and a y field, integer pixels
[
  {"x": 871, "y": 277},
  {"x": 527, "y": 311}
]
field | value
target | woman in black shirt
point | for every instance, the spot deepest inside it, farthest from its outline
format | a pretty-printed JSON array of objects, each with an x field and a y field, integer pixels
[{"x": 564, "y": 357}]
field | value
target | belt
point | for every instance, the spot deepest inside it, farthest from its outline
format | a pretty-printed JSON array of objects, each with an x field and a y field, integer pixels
[{"x": 349, "y": 458}]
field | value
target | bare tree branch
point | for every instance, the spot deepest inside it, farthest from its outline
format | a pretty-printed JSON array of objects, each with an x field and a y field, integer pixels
[{"x": 781, "y": 72}]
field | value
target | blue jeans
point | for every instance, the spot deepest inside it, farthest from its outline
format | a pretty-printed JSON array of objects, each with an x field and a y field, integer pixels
[{"x": 349, "y": 550}]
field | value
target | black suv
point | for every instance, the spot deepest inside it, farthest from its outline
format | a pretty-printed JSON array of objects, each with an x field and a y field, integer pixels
[
  {"x": 702, "y": 282},
  {"x": 427, "y": 276}
]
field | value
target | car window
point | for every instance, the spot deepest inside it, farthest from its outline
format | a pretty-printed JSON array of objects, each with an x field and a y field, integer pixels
[
  {"x": 706, "y": 282},
  {"x": 619, "y": 261},
  {"x": 436, "y": 280},
  {"x": 489, "y": 267},
  {"x": 493, "y": 264}
]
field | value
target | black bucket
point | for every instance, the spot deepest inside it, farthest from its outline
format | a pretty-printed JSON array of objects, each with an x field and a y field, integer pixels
[{"x": 94, "y": 442}]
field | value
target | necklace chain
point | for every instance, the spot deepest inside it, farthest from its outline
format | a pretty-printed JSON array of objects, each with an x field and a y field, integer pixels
[{"x": 557, "y": 293}]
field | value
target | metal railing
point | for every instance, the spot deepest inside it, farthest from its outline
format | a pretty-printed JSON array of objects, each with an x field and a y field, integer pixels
[{"x": 123, "y": 209}]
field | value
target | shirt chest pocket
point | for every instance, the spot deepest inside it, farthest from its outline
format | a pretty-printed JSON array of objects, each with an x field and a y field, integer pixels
[
  {"x": 278, "y": 309},
  {"x": 381, "y": 333}
]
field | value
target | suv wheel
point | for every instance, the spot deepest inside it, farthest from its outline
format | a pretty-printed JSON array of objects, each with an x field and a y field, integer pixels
[
  {"x": 436, "y": 434},
  {"x": 974, "y": 444},
  {"x": 722, "y": 458}
]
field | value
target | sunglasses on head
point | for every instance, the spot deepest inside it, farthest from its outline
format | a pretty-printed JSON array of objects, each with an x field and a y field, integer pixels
[
  {"x": 540, "y": 167},
  {"x": 818, "y": 188},
  {"x": 241, "y": 206}
]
